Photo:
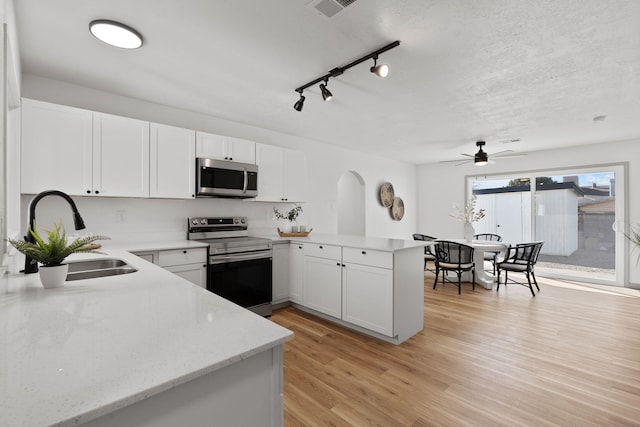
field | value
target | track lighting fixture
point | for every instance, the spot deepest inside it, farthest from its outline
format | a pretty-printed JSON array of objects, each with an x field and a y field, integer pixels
[
  {"x": 326, "y": 93},
  {"x": 381, "y": 70},
  {"x": 299, "y": 103},
  {"x": 481, "y": 158}
]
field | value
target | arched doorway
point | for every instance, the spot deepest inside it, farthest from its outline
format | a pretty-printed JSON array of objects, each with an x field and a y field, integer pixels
[{"x": 351, "y": 204}]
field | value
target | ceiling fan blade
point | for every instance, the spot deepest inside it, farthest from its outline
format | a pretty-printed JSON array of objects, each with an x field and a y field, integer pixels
[
  {"x": 501, "y": 153},
  {"x": 467, "y": 155},
  {"x": 510, "y": 156},
  {"x": 457, "y": 161}
]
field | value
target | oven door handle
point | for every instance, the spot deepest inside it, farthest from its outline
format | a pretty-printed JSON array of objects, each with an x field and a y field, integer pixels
[{"x": 224, "y": 259}]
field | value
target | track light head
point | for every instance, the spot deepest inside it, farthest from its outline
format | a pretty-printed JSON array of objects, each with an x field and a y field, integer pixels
[
  {"x": 326, "y": 93},
  {"x": 381, "y": 70},
  {"x": 481, "y": 158},
  {"x": 299, "y": 103}
]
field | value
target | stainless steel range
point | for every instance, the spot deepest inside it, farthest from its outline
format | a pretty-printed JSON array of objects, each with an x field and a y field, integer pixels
[{"x": 239, "y": 265}]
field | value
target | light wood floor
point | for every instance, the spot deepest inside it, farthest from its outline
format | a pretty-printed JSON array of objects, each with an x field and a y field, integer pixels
[{"x": 566, "y": 357}]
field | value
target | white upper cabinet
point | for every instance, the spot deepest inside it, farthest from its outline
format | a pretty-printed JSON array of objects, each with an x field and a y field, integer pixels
[
  {"x": 120, "y": 156},
  {"x": 56, "y": 149},
  {"x": 282, "y": 174},
  {"x": 220, "y": 147},
  {"x": 83, "y": 153},
  {"x": 172, "y": 162}
]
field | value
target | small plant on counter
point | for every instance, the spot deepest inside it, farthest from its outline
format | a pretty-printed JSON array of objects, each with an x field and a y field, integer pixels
[
  {"x": 292, "y": 215},
  {"x": 54, "y": 251}
]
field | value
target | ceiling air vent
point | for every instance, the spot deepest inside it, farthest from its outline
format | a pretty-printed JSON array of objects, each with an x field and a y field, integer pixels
[{"x": 330, "y": 7}]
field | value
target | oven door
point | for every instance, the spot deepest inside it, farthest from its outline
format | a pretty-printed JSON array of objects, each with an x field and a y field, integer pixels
[
  {"x": 226, "y": 179},
  {"x": 244, "y": 279}
]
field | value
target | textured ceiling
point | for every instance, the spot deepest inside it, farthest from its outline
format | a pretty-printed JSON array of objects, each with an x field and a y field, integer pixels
[{"x": 465, "y": 70}]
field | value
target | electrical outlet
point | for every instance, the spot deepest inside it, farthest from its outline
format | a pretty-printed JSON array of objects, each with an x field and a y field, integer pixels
[{"x": 121, "y": 217}]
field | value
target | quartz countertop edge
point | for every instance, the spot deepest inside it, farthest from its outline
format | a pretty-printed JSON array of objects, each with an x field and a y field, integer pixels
[
  {"x": 361, "y": 242},
  {"x": 98, "y": 345}
]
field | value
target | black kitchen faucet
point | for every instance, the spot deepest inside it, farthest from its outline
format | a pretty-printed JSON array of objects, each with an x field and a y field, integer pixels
[{"x": 30, "y": 267}]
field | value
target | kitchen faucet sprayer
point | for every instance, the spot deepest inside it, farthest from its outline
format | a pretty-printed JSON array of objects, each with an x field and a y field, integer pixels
[{"x": 30, "y": 267}]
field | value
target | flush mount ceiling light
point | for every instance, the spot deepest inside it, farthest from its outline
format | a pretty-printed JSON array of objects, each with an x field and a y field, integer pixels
[
  {"x": 481, "y": 158},
  {"x": 115, "y": 34},
  {"x": 381, "y": 70}
]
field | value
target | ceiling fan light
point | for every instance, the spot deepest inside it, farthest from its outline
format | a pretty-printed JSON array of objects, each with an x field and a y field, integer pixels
[
  {"x": 115, "y": 34},
  {"x": 326, "y": 93},
  {"x": 481, "y": 158}
]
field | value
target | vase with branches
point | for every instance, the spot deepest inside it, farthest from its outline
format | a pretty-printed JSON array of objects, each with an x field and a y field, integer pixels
[
  {"x": 291, "y": 215},
  {"x": 468, "y": 215}
]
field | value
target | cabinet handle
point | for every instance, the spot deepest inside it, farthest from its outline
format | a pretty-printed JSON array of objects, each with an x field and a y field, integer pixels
[
  {"x": 184, "y": 252},
  {"x": 320, "y": 247},
  {"x": 343, "y": 265},
  {"x": 338, "y": 264},
  {"x": 88, "y": 191},
  {"x": 230, "y": 158},
  {"x": 97, "y": 192},
  {"x": 364, "y": 252},
  {"x": 299, "y": 247}
]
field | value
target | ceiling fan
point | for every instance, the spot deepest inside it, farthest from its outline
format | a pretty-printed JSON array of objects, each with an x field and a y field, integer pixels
[{"x": 481, "y": 158}]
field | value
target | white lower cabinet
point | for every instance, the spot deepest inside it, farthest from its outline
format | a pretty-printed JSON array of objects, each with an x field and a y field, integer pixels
[
  {"x": 323, "y": 279},
  {"x": 280, "y": 274},
  {"x": 367, "y": 297},
  {"x": 190, "y": 264},
  {"x": 296, "y": 272}
]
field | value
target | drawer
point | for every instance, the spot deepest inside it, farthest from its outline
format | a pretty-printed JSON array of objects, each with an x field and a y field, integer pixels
[
  {"x": 367, "y": 257},
  {"x": 323, "y": 251},
  {"x": 182, "y": 256}
]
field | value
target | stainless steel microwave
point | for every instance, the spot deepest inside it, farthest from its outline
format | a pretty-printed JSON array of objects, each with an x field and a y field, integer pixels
[{"x": 219, "y": 178}]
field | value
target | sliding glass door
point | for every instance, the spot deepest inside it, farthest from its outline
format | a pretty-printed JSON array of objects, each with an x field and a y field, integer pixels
[{"x": 571, "y": 210}]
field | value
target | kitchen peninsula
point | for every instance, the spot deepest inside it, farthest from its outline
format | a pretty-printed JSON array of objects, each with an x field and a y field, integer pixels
[
  {"x": 369, "y": 284},
  {"x": 146, "y": 348}
]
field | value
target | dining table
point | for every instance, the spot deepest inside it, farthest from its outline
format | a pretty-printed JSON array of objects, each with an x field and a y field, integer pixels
[{"x": 480, "y": 247}]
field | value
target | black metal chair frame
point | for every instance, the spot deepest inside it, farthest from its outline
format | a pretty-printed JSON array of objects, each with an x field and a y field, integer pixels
[
  {"x": 456, "y": 257},
  {"x": 428, "y": 254},
  {"x": 490, "y": 256},
  {"x": 521, "y": 258}
]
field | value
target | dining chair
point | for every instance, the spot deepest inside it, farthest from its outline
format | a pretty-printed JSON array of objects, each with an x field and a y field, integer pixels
[
  {"x": 521, "y": 258},
  {"x": 490, "y": 256},
  {"x": 428, "y": 253},
  {"x": 456, "y": 257}
]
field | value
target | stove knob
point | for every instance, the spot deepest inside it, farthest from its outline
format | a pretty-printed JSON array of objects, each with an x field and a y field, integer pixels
[
  {"x": 236, "y": 221},
  {"x": 243, "y": 220},
  {"x": 194, "y": 222},
  {"x": 203, "y": 221}
]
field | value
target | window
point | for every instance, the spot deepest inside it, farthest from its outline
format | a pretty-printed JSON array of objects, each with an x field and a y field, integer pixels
[{"x": 571, "y": 210}]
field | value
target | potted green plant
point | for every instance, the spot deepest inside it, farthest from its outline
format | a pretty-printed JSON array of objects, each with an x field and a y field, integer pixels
[
  {"x": 52, "y": 252},
  {"x": 291, "y": 215}
]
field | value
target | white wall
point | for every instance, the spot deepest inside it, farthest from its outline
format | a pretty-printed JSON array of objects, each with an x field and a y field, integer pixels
[
  {"x": 326, "y": 164},
  {"x": 442, "y": 185},
  {"x": 351, "y": 205}
]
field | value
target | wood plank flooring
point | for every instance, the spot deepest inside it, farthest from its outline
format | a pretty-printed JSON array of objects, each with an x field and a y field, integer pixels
[{"x": 566, "y": 357}]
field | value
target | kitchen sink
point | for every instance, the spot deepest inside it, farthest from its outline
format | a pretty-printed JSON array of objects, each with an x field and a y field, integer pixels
[{"x": 91, "y": 269}]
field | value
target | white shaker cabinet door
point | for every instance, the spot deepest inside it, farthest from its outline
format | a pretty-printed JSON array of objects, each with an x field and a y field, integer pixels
[
  {"x": 194, "y": 273},
  {"x": 280, "y": 273},
  {"x": 270, "y": 176},
  {"x": 220, "y": 147},
  {"x": 296, "y": 272},
  {"x": 172, "y": 162},
  {"x": 120, "y": 156},
  {"x": 295, "y": 176},
  {"x": 56, "y": 148},
  {"x": 367, "y": 297},
  {"x": 323, "y": 285}
]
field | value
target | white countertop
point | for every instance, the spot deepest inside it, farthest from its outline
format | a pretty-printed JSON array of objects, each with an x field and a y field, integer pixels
[
  {"x": 74, "y": 353},
  {"x": 362, "y": 242}
]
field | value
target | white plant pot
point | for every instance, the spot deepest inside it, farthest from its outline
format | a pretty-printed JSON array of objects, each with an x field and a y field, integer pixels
[{"x": 53, "y": 277}]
